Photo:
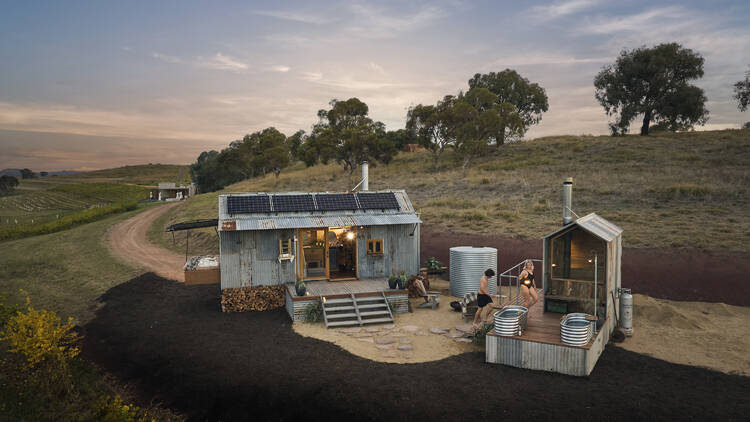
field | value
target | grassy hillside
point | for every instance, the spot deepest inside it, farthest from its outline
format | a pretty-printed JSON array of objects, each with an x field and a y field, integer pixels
[
  {"x": 146, "y": 174},
  {"x": 686, "y": 190}
]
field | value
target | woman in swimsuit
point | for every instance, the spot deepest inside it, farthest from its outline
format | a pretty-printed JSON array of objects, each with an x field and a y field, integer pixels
[{"x": 528, "y": 287}]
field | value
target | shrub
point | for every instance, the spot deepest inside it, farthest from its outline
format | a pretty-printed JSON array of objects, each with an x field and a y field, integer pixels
[
  {"x": 46, "y": 346},
  {"x": 112, "y": 409},
  {"x": 313, "y": 312}
]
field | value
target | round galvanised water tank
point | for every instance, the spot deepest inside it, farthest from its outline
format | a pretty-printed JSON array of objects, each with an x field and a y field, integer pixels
[
  {"x": 467, "y": 266},
  {"x": 575, "y": 329}
]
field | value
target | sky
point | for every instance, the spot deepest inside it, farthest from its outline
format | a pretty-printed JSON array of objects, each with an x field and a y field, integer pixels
[{"x": 100, "y": 84}]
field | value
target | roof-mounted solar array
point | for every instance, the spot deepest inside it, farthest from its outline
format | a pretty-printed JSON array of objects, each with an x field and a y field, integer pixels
[
  {"x": 293, "y": 203},
  {"x": 248, "y": 204},
  {"x": 336, "y": 201},
  {"x": 377, "y": 201},
  {"x": 262, "y": 204}
]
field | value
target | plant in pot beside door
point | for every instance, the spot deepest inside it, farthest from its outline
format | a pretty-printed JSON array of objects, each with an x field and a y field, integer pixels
[
  {"x": 403, "y": 282},
  {"x": 392, "y": 281},
  {"x": 300, "y": 288}
]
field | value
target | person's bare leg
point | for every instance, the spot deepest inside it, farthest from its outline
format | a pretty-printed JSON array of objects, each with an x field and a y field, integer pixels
[
  {"x": 525, "y": 293},
  {"x": 477, "y": 315},
  {"x": 534, "y": 296}
]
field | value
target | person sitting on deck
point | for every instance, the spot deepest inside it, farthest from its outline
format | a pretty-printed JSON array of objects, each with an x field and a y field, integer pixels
[
  {"x": 484, "y": 298},
  {"x": 528, "y": 287}
]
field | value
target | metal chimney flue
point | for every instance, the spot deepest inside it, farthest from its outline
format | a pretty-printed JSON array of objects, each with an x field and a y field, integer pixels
[
  {"x": 567, "y": 201},
  {"x": 365, "y": 176}
]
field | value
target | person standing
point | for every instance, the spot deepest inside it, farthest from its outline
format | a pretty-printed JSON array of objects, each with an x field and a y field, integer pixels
[
  {"x": 483, "y": 297},
  {"x": 528, "y": 287}
]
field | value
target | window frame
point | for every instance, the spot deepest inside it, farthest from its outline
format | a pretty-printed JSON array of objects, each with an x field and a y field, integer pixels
[{"x": 372, "y": 247}]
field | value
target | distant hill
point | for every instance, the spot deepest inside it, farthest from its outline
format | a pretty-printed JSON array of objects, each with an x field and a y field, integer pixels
[
  {"x": 11, "y": 172},
  {"x": 144, "y": 174},
  {"x": 17, "y": 173}
]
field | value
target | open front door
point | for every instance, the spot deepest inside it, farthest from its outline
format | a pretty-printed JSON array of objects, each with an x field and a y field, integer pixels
[
  {"x": 314, "y": 255},
  {"x": 342, "y": 244}
]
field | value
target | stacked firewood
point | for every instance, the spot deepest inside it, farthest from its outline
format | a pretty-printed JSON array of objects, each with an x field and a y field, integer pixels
[
  {"x": 259, "y": 298},
  {"x": 414, "y": 290}
]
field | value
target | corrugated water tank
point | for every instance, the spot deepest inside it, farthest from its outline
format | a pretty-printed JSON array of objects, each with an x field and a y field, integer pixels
[{"x": 467, "y": 266}]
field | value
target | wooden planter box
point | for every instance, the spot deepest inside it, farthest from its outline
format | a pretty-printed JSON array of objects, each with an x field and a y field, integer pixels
[{"x": 203, "y": 276}]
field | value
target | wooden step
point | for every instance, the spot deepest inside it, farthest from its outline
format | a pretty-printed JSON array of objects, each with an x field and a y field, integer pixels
[
  {"x": 340, "y": 308},
  {"x": 335, "y": 301},
  {"x": 374, "y": 305},
  {"x": 376, "y": 320},
  {"x": 339, "y": 316},
  {"x": 373, "y": 313}
]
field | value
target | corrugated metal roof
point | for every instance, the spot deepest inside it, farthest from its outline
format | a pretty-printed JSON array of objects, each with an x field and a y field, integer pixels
[
  {"x": 308, "y": 219},
  {"x": 596, "y": 225}
]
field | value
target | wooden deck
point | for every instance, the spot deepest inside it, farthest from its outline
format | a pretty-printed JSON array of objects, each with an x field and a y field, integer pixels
[
  {"x": 544, "y": 327},
  {"x": 316, "y": 289}
]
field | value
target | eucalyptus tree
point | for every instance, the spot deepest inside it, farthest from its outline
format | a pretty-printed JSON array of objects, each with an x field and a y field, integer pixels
[
  {"x": 742, "y": 92},
  {"x": 528, "y": 98},
  {"x": 653, "y": 83}
]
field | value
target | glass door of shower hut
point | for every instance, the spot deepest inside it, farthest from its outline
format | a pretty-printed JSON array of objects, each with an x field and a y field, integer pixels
[{"x": 314, "y": 254}]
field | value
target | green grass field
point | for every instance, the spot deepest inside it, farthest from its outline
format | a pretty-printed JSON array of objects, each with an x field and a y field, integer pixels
[
  {"x": 685, "y": 190},
  {"x": 146, "y": 174}
]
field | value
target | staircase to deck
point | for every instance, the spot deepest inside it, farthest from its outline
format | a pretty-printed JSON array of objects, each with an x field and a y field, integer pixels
[{"x": 356, "y": 310}]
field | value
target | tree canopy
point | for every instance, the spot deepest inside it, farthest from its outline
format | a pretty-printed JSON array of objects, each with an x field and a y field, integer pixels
[
  {"x": 7, "y": 184},
  {"x": 529, "y": 99},
  {"x": 742, "y": 92},
  {"x": 653, "y": 82},
  {"x": 346, "y": 134}
]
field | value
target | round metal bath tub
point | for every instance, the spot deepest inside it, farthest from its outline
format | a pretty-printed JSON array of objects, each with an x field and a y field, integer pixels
[
  {"x": 576, "y": 330},
  {"x": 511, "y": 320},
  {"x": 467, "y": 266}
]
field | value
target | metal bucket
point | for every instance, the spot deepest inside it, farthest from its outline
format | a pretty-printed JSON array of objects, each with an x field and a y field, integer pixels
[
  {"x": 467, "y": 266},
  {"x": 576, "y": 330},
  {"x": 511, "y": 320}
]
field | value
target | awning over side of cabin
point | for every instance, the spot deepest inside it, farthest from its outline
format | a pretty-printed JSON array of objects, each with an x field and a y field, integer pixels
[{"x": 402, "y": 213}]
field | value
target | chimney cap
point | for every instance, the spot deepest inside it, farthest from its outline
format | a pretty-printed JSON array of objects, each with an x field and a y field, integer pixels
[{"x": 568, "y": 181}]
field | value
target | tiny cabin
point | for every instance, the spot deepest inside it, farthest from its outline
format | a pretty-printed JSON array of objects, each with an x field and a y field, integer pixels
[{"x": 271, "y": 239}]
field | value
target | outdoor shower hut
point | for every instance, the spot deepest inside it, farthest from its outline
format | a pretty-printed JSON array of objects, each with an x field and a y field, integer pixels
[{"x": 268, "y": 239}]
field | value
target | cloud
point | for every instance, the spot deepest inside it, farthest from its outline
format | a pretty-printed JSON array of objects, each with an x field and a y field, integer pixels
[
  {"x": 669, "y": 18},
  {"x": 166, "y": 58},
  {"x": 312, "y": 76},
  {"x": 222, "y": 62},
  {"x": 371, "y": 22},
  {"x": 543, "y": 58},
  {"x": 303, "y": 17},
  {"x": 376, "y": 67},
  {"x": 560, "y": 9},
  {"x": 281, "y": 68}
]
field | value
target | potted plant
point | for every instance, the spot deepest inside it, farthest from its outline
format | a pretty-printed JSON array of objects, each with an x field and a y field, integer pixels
[
  {"x": 403, "y": 282},
  {"x": 392, "y": 281},
  {"x": 300, "y": 288}
]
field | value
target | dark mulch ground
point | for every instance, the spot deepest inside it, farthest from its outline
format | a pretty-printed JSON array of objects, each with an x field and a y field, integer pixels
[
  {"x": 172, "y": 342},
  {"x": 663, "y": 273}
]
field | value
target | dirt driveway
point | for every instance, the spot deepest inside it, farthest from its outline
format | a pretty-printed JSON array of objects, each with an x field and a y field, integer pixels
[{"x": 129, "y": 241}]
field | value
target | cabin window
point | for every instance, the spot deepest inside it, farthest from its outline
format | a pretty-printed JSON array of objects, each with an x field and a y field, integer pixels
[
  {"x": 375, "y": 247},
  {"x": 286, "y": 249}
]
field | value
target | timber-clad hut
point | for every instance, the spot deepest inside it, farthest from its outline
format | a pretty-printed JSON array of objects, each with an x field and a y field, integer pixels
[{"x": 582, "y": 260}]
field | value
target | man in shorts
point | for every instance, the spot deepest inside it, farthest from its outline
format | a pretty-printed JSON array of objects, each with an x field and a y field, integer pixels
[{"x": 483, "y": 297}]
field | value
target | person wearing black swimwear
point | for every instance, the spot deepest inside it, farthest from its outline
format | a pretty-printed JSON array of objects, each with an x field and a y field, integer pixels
[
  {"x": 483, "y": 297},
  {"x": 528, "y": 287}
]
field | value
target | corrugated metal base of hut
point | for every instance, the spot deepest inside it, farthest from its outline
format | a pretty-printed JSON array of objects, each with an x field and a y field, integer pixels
[{"x": 258, "y": 298}]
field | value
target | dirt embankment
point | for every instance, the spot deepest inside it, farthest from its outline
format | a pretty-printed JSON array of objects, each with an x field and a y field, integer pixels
[
  {"x": 128, "y": 241},
  {"x": 686, "y": 275}
]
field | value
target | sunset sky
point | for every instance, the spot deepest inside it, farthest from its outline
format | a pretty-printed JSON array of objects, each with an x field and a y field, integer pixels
[{"x": 88, "y": 85}]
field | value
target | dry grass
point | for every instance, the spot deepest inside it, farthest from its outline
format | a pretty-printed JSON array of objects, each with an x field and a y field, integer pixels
[{"x": 687, "y": 190}]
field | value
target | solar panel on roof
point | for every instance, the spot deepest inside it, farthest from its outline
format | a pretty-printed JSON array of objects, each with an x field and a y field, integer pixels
[
  {"x": 290, "y": 203},
  {"x": 377, "y": 201},
  {"x": 336, "y": 201},
  {"x": 248, "y": 204}
]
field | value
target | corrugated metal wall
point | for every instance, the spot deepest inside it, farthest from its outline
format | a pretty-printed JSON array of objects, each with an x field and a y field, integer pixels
[
  {"x": 250, "y": 257},
  {"x": 400, "y": 250},
  {"x": 537, "y": 356}
]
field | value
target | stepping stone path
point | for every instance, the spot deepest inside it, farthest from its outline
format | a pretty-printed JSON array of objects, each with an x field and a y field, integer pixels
[
  {"x": 351, "y": 330},
  {"x": 411, "y": 328},
  {"x": 455, "y": 334},
  {"x": 436, "y": 330},
  {"x": 390, "y": 354},
  {"x": 359, "y": 335},
  {"x": 372, "y": 329},
  {"x": 398, "y": 335},
  {"x": 367, "y": 340},
  {"x": 405, "y": 347},
  {"x": 385, "y": 340},
  {"x": 421, "y": 333},
  {"x": 384, "y": 346},
  {"x": 389, "y": 326},
  {"x": 465, "y": 328},
  {"x": 463, "y": 340},
  {"x": 404, "y": 340}
]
